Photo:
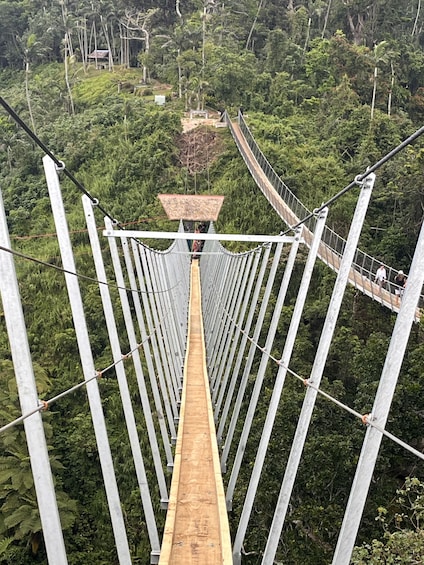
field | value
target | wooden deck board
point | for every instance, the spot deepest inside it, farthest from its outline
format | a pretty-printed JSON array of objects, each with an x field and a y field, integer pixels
[{"x": 196, "y": 528}]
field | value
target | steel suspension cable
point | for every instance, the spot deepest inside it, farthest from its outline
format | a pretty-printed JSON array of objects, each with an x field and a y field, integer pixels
[
  {"x": 57, "y": 162},
  {"x": 359, "y": 178},
  {"x": 79, "y": 275}
]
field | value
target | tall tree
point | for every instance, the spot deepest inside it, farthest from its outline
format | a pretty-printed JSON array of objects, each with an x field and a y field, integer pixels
[
  {"x": 381, "y": 54},
  {"x": 32, "y": 50}
]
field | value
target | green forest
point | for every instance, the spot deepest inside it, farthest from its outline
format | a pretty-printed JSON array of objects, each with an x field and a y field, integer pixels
[{"x": 327, "y": 87}]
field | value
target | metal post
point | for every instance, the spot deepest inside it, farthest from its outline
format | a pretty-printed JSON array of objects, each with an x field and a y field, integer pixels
[
  {"x": 168, "y": 306},
  {"x": 87, "y": 362},
  {"x": 381, "y": 408},
  {"x": 160, "y": 354},
  {"x": 122, "y": 380},
  {"x": 218, "y": 281},
  {"x": 28, "y": 398},
  {"x": 240, "y": 355},
  {"x": 250, "y": 357},
  {"x": 154, "y": 341},
  {"x": 223, "y": 302},
  {"x": 175, "y": 300},
  {"x": 163, "y": 318},
  {"x": 261, "y": 371},
  {"x": 140, "y": 378},
  {"x": 236, "y": 295},
  {"x": 278, "y": 387},
  {"x": 137, "y": 362},
  {"x": 230, "y": 358},
  {"x": 317, "y": 370},
  {"x": 152, "y": 377}
]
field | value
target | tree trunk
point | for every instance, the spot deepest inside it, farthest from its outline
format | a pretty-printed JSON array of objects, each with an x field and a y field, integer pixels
[
  {"x": 356, "y": 29},
  {"x": 307, "y": 38},
  {"x": 374, "y": 90},
  {"x": 146, "y": 50},
  {"x": 83, "y": 43},
  {"x": 28, "y": 96},
  {"x": 249, "y": 37},
  {"x": 327, "y": 13},
  {"x": 392, "y": 82},
  {"x": 414, "y": 29},
  {"x": 180, "y": 76},
  {"x": 106, "y": 34},
  {"x": 67, "y": 56},
  {"x": 93, "y": 34}
]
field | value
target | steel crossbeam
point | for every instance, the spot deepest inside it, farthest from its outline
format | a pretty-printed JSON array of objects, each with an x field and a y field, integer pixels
[{"x": 199, "y": 236}]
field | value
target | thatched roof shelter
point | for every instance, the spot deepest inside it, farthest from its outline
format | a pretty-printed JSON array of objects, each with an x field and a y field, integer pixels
[{"x": 198, "y": 208}]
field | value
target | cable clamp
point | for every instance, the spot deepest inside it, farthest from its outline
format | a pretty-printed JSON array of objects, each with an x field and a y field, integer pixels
[
  {"x": 306, "y": 382},
  {"x": 95, "y": 202},
  {"x": 43, "y": 404},
  {"x": 115, "y": 222},
  {"x": 320, "y": 211},
  {"x": 359, "y": 179},
  {"x": 298, "y": 232},
  {"x": 99, "y": 374},
  {"x": 365, "y": 419},
  {"x": 60, "y": 166}
]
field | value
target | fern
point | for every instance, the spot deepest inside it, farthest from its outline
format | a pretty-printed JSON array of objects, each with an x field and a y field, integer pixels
[{"x": 4, "y": 544}]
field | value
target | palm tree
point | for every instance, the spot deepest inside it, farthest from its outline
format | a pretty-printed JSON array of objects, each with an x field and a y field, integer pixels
[
  {"x": 381, "y": 54},
  {"x": 32, "y": 50}
]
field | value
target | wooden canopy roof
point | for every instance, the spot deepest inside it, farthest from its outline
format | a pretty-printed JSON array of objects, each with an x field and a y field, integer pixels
[{"x": 199, "y": 208}]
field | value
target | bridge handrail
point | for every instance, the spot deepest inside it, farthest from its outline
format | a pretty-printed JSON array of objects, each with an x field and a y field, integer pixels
[{"x": 364, "y": 265}]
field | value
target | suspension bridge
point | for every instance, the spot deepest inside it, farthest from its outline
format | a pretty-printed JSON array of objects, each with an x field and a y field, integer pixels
[{"x": 199, "y": 325}]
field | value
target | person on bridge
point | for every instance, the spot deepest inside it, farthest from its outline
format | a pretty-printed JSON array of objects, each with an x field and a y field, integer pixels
[
  {"x": 381, "y": 276},
  {"x": 196, "y": 246},
  {"x": 400, "y": 281}
]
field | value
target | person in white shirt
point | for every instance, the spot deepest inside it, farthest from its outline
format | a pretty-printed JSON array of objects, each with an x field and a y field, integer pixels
[{"x": 381, "y": 276}]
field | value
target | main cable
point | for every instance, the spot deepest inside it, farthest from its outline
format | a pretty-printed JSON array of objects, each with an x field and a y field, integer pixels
[
  {"x": 62, "y": 167},
  {"x": 57, "y": 162}
]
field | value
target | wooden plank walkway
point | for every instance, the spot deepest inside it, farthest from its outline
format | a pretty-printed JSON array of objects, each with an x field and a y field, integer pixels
[{"x": 196, "y": 529}]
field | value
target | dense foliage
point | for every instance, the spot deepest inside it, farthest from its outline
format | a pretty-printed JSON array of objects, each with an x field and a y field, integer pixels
[{"x": 328, "y": 89}]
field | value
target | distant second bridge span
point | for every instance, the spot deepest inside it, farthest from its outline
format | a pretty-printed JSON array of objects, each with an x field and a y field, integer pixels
[{"x": 285, "y": 204}]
